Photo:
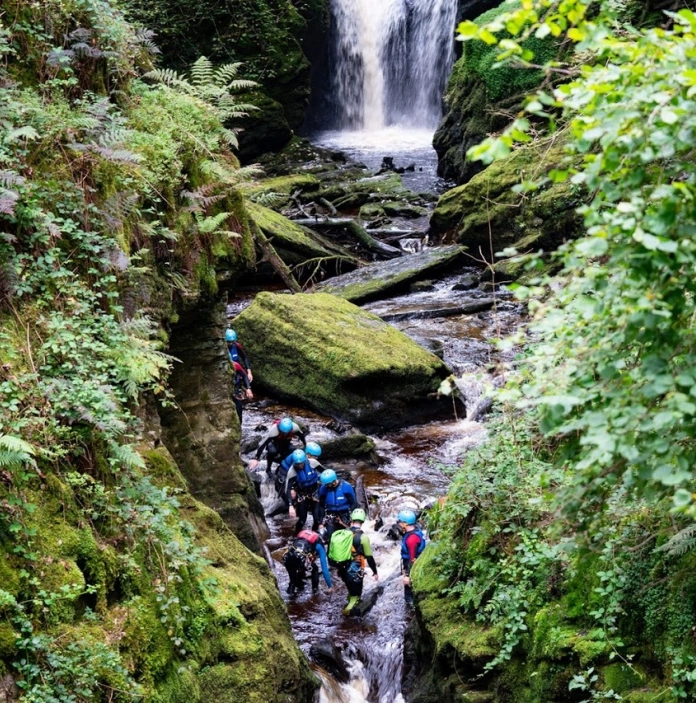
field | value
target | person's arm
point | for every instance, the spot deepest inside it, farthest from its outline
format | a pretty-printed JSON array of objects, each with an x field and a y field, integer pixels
[
  {"x": 321, "y": 495},
  {"x": 243, "y": 357},
  {"x": 349, "y": 493},
  {"x": 301, "y": 433},
  {"x": 367, "y": 551},
  {"x": 290, "y": 485},
  {"x": 324, "y": 564}
]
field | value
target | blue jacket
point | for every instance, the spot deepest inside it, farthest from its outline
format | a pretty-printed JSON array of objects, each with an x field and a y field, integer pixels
[
  {"x": 306, "y": 477},
  {"x": 338, "y": 500}
]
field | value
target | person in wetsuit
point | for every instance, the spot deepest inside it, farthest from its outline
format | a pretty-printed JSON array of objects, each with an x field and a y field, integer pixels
[
  {"x": 301, "y": 560},
  {"x": 301, "y": 487},
  {"x": 278, "y": 443},
  {"x": 236, "y": 352},
  {"x": 242, "y": 388},
  {"x": 412, "y": 546},
  {"x": 352, "y": 570},
  {"x": 337, "y": 500}
]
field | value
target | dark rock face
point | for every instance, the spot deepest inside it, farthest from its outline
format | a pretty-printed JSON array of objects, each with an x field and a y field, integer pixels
[
  {"x": 203, "y": 432},
  {"x": 269, "y": 37}
]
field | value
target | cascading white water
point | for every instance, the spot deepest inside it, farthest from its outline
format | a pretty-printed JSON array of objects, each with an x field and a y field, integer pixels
[{"x": 392, "y": 58}]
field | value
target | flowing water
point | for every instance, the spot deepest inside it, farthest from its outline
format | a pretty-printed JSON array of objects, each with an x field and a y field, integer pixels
[
  {"x": 390, "y": 64},
  {"x": 409, "y": 474}
]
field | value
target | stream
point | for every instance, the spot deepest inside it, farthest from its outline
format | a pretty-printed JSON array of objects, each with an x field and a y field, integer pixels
[{"x": 409, "y": 474}]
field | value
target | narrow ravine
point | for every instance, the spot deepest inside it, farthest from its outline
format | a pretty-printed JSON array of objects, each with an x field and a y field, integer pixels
[{"x": 409, "y": 474}]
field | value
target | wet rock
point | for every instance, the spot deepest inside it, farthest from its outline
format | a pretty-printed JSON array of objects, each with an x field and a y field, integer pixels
[
  {"x": 403, "y": 209},
  {"x": 383, "y": 279},
  {"x": 352, "y": 446},
  {"x": 202, "y": 430},
  {"x": 436, "y": 346},
  {"x": 371, "y": 211},
  {"x": 467, "y": 282},
  {"x": 332, "y": 356},
  {"x": 422, "y": 286},
  {"x": 425, "y": 313},
  {"x": 283, "y": 187},
  {"x": 329, "y": 656}
]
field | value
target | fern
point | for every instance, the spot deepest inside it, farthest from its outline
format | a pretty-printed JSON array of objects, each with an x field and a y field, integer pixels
[
  {"x": 209, "y": 225},
  {"x": 681, "y": 543},
  {"x": 15, "y": 451}
]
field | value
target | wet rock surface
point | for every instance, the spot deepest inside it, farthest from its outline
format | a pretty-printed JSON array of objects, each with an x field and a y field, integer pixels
[
  {"x": 202, "y": 431},
  {"x": 389, "y": 278}
]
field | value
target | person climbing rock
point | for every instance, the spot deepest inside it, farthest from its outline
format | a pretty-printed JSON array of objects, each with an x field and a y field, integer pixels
[
  {"x": 278, "y": 443},
  {"x": 412, "y": 546},
  {"x": 301, "y": 490},
  {"x": 337, "y": 500},
  {"x": 350, "y": 550},
  {"x": 237, "y": 353},
  {"x": 241, "y": 389},
  {"x": 300, "y": 559}
]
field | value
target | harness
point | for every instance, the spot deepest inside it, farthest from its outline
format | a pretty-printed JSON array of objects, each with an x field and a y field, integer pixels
[{"x": 303, "y": 548}]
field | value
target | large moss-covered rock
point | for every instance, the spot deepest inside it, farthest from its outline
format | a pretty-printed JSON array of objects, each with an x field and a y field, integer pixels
[
  {"x": 296, "y": 244},
  {"x": 486, "y": 207},
  {"x": 327, "y": 353},
  {"x": 386, "y": 278}
]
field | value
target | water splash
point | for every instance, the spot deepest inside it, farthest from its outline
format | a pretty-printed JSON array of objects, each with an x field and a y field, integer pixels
[{"x": 392, "y": 59}]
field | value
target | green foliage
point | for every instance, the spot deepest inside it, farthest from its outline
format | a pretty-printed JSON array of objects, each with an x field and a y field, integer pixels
[
  {"x": 608, "y": 383},
  {"x": 480, "y": 59}
]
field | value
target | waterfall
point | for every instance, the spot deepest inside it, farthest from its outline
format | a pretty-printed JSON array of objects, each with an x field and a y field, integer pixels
[{"x": 391, "y": 61}]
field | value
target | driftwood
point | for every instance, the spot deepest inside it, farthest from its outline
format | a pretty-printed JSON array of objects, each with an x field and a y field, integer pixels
[
  {"x": 270, "y": 255},
  {"x": 360, "y": 233},
  {"x": 329, "y": 205}
]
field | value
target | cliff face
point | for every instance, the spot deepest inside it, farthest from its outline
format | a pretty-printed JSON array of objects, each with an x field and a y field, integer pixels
[
  {"x": 123, "y": 567},
  {"x": 274, "y": 39}
]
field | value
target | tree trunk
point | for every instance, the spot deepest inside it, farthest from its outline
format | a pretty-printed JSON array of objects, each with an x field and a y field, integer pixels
[{"x": 270, "y": 255}]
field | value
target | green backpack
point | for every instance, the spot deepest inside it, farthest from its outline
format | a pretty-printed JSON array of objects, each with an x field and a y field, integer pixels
[{"x": 341, "y": 546}]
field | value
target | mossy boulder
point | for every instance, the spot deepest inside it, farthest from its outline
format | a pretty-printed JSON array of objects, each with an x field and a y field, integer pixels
[
  {"x": 387, "y": 278},
  {"x": 283, "y": 186},
  {"x": 296, "y": 244},
  {"x": 330, "y": 355},
  {"x": 487, "y": 207}
]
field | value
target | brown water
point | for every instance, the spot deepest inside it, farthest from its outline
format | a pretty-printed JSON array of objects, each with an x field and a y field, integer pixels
[{"x": 409, "y": 475}]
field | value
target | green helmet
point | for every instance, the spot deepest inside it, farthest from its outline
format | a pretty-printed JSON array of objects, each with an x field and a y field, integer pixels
[{"x": 358, "y": 515}]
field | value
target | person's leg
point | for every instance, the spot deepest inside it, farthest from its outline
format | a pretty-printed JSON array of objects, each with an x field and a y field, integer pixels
[
  {"x": 315, "y": 577},
  {"x": 316, "y": 514},
  {"x": 238, "y": 405},
  {"x": 301, "y": 510}
]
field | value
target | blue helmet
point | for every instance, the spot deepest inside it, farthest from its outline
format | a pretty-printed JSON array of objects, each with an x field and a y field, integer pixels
[
  {"x": 328, "y": 476},
  {"x": 230, "y": 336},
  {"x": 313, "y": 449},
  {"x": 299, "y": 457},
  {"x": 285, "y": 425},
  {"x": 406, "y": 516}
]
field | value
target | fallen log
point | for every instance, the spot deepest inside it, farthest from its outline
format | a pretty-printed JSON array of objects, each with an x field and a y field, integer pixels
[
  {"x": 270, "y": 255},
  {"x": 360, "y": 233}
]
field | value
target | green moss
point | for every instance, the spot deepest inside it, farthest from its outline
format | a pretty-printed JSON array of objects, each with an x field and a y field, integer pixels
[
  {"x": 353, "y": 364},
  {"x": 284, "y": 185},
  {"x": 620, "y": 677},
  {"x": 486, "y": 207},
  {"x": 162, "y": 467},
  {"x": 8, "y": 639}
]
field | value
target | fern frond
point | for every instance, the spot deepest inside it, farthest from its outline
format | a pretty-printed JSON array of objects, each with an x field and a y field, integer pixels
[
  {"x": 125, "y": 455},
  {"x": 11, "y": 443},
  {"x": 681, "y": 543},
  {"x": 241, "y": 84},
  {"x": 171, "y": 79},
  {"x": 208, "y": 225},
  {"x": 226, "y": 73},
  {"x": 202, "y": 71}
]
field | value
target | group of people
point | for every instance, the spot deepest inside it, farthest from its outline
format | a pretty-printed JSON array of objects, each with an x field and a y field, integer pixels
[{"x": 308, "y": 488}]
